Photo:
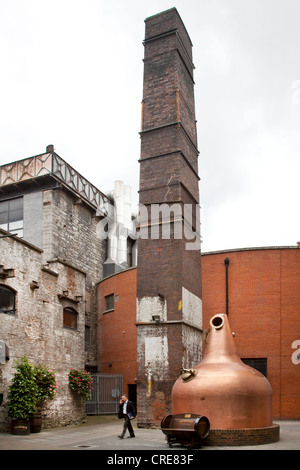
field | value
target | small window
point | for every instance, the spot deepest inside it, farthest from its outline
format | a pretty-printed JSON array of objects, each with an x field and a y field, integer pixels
[
  {"x": 109, "y": 302},
  {"x": 11, "y": 216},
  {"x": 87, "y": 334},
  {"x": 258, "y": 363},
  {"x": 130, "y": 244},
  {"x": 70, "y": 318},
  {"x": 7, "y": 300}
]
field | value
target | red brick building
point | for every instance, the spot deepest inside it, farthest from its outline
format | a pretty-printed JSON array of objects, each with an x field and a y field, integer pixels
[
  {"x": 151, "y": 319},
  {"x": 263, "y": 308},
  {"x": 264, "y": 313},
  {"x": 117, "y": 328}
]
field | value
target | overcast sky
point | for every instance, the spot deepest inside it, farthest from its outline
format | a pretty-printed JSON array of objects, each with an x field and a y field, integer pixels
[{"x": 72, "y": 73}]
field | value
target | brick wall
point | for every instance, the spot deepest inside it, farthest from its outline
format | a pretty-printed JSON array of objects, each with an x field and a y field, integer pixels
[
  {"x": 168, "y": 276},
  {"x": 264, "y": 313},
  {"x": 242, "y": 437},
  {"x": 117, "y": 342}
]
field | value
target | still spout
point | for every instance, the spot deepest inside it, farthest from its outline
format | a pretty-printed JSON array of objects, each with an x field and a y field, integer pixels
[{"x": 220, "y": 348}]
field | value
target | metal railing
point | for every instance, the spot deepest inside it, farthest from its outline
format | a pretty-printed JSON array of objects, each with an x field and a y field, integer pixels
[{"x": 51, "y": 164}]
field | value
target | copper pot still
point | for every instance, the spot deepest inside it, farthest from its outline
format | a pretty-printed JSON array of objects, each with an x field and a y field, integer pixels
[{"x": 231, "y": 394}]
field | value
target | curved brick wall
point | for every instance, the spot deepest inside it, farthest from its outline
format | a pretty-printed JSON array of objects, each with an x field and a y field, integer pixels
[{"x": 264, "y": 313}]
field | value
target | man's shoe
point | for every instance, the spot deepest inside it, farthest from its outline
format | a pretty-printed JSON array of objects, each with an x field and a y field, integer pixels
[
  {"x": 120, "y": 437},
  {"x": 128, "y": 437}
]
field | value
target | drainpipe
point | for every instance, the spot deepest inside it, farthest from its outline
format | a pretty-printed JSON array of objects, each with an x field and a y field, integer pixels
[{"x": 226, "y": 261}]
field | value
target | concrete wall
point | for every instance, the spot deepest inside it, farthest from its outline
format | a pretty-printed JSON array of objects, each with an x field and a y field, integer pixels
[{"x": 33, "y": 218}]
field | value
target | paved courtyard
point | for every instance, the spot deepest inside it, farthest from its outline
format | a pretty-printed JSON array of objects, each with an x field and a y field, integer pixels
[{"x": 101, "y": 433}]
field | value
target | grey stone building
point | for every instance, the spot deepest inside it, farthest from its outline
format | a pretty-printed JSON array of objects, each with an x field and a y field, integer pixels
[{"x": 51, "y": 257}]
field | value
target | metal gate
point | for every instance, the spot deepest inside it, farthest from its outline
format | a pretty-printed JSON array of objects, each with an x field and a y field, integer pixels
[{"x": 106, "y": 392}]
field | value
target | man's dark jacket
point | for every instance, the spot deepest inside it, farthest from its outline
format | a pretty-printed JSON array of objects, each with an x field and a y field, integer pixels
[{"x": 130, "y": 410}]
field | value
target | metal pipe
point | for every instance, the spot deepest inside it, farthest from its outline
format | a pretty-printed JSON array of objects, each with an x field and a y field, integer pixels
[{"x": 226, "y": 261}]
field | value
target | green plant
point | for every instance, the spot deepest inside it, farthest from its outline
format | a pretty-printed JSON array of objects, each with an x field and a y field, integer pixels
[
  {"x": 81, "y": 382},
  {"x": 46, "y": 382},
  {"x": 22, "y": 395}
]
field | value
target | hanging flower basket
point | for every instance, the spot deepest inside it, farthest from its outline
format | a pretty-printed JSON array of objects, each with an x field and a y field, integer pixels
[
  {"x": 80, "y": 382},
  {"x": 46, "y": 382}
]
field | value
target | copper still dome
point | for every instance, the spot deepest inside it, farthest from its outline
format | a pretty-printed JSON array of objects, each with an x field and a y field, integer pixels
[{"x": 231, "y": 394}]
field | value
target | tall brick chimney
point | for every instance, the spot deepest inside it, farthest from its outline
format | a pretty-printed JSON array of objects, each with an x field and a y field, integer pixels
[{"x": 169, "y": 306}]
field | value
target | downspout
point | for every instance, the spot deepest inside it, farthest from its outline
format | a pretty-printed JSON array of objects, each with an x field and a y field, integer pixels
[{"x": 226, "y": 261}]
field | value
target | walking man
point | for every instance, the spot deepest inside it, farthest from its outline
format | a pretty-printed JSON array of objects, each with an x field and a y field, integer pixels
[{"x": 126, "y": 411}]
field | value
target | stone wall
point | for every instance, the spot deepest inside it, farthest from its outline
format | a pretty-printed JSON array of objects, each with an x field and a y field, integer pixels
[
  {"x": 70, "y": 234},
  {"x": 36, "y": 329}
]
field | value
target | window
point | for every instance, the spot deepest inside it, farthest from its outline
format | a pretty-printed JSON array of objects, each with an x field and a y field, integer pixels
[
  {"x": 70, "y": 318},
  {"x": 87, "y": 333},
  {"x": 109, "y": 302},
  {"x": 259, "y": 363},
  {"x": 130, "y": 244},
  {"x": 11, "y": 216},
  {"x": 7, "y": 300}
]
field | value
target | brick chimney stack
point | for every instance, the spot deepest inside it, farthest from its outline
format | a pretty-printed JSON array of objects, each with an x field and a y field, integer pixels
[{"x": 169, "y": 306}]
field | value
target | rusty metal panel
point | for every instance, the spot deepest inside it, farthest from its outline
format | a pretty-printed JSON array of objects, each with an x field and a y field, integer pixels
[
  {"x": 51, "y": 164},
  {"x": 26, "y": 169}
]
